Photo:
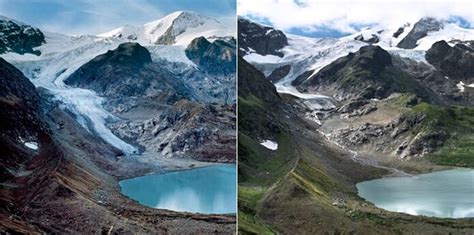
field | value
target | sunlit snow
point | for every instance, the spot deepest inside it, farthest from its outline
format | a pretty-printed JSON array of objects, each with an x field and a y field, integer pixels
[
  {"x": 272, "y": 145},
  {"x": 32, "y": 145}
]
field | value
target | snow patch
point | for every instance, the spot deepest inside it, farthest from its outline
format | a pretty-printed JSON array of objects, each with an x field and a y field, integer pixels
[
  {"x": 262, "y": 59},
  {"x": 32, "y": 145},
  {"x": 29, "y": 144},
  {"x": 461, "y": 86},
  {"x": 272, "y": 145}
]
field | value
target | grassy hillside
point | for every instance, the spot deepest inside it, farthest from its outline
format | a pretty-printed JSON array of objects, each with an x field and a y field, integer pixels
[{"x": 458, "y": 121}]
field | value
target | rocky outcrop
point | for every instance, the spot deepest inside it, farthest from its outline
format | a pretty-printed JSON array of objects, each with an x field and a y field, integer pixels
[
  {"x": 279, "y": 73},
  {"x": 398, "y": 32},
  {"x": 127, "y": 71},
  {"x": 185, "y": 130},
  {"x": 368, "y": 73},
  {"x": 456, "y": 62},
  {"x": 217, "y": 57},
  {"x": 370, "y": 40},
  {"x": 423, "y": 143},
  {"x": 263, "y": 40},
  {"x": 357, "y": 108},
  {"x": 19, "y": 38},
  {"x": 420, "y": 30}
]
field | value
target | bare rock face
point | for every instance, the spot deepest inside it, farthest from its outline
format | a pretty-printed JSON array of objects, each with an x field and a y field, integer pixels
[
  {"x": 19, "y": 38},
  {"x": 217, "y": 57},
  {"x": 128, "y": 71},
  {"x": 420, "y": 30},
  {"x": 455, "y": 62},
  {"x": 279, "y": 73},
  {"x": 187, "y": 130},
  {"x": 262, "y": 39},
  {"x": 370, "y": 40},
  {"x": 423, "y": 143}
]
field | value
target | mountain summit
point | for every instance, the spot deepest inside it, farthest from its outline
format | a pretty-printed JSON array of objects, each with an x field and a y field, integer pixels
[
  {"x": 177, "y": 28},
  {"x": 18, "y": 37},
  {"x": 420, "y": 30}
]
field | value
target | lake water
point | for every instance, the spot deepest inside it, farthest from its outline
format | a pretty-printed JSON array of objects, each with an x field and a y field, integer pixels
[
  {"x": 448, "y": 194},
  {"x": 209, "y": 190}
]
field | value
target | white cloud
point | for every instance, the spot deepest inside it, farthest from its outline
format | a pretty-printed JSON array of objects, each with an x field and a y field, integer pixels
[{"x": 342, "y": 15}]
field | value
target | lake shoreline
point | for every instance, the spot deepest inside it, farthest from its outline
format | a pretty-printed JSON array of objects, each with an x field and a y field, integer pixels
[
  {"x": 390, "y": 193},
  {"x": 201, "y": 190}
]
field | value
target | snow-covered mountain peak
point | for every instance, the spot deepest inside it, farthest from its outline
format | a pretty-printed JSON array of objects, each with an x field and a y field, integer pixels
[
  {"x": 305, "y": 55},
  {"x": 177, "y": 28}
]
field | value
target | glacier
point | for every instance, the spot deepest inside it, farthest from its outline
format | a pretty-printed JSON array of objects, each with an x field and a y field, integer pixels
[{"x": 61, "y": 55}]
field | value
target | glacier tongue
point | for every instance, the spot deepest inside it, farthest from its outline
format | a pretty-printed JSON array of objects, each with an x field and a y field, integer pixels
[
  {"x": 60, "y": 58},
  {"x": 87, "y": 106}
]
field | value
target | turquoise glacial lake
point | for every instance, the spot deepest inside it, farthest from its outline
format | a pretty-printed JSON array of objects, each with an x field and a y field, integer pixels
[
  {"x": 446, "y": 194},
  {"x": 208, "y": 190}
]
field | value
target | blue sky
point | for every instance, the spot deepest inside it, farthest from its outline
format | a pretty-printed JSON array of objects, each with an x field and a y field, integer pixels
[
  {"x": 336, "y": 18},
  {"x": 98, "y": 16}
]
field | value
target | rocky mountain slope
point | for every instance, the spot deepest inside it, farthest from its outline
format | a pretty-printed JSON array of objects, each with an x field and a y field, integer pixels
[
  {"x": 261, "y": 39},
  {"x": 217, "y": 57},
  {"x": 369, "y": 73},
  {"x": 158, "y": 110},
  {"x": 18, "y": 37},
  {"x": 127, "y": 71},
  {"x": 21, "y": 106},
  {"x": 453, "y": 61},
  {"x": 307, "y": 183}
]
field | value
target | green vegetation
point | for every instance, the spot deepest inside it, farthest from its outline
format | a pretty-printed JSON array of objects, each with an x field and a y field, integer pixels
[
  {"x": 250, "y": 101},
  {"x": 459, "y": 123},
  {"x": 260, "y": 166},
  {"x": 403, "y": 100},
  {"x": 456, "y": 152},
  {"x": 248, "y": 202}
]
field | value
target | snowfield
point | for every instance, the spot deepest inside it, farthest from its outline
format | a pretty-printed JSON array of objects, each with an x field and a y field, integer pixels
[{"x": 184, "y": 26}]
